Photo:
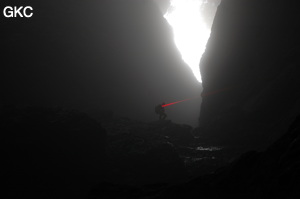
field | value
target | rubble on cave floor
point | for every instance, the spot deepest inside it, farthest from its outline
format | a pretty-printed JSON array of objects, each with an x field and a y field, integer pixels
[{"x": 131, "y": 142}]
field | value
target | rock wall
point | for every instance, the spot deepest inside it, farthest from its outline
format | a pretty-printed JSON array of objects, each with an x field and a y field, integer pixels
[{"x": 250, "y": 72}]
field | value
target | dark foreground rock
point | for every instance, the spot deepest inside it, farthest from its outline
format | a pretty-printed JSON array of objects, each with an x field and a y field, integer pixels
[
  {"x": 141, "y": 153},
  {"x": 273, "y": 173},
  {"x": 58, "y": 153},
  {"x": 146, "y": 158},
  {"x": 49, "y": 152},
  {"x": 161, "y": 150}
]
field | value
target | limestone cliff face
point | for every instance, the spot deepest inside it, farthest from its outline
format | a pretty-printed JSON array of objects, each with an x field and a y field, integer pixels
[
  {"x": 107, "y": 54},
  {"x": 250, "y": 72}
]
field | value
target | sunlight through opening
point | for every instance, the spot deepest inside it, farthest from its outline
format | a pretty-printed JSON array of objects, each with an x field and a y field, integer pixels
[{"x": 191, "y": 32}]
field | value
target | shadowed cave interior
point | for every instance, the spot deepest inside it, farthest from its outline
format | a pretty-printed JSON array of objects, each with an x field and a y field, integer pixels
[{"x": 80, "y": 81}]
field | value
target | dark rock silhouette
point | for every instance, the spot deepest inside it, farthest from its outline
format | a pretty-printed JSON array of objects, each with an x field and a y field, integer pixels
[
  {"x": 50, "y": 151},
  {"x": 250, "y": 73}
]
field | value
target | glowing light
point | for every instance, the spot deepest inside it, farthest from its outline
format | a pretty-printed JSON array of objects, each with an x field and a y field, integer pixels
[
  {"x": 190, "y": 31},
  {"x": 174, "y": 103},
  {"x": 180, "y": 101}
]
